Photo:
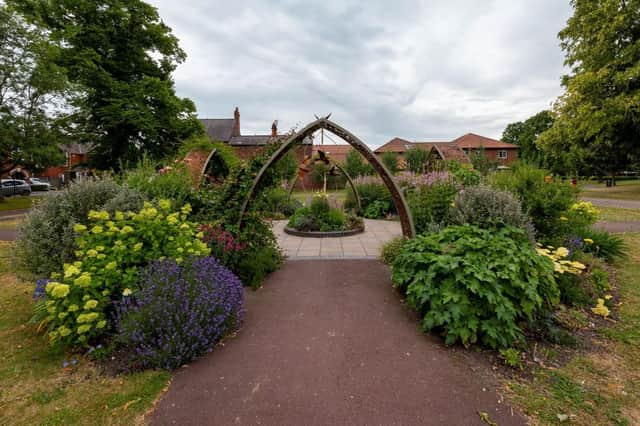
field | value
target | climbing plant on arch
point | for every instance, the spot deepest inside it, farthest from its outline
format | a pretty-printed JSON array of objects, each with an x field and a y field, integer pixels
[{"x": 408, "y": 229}]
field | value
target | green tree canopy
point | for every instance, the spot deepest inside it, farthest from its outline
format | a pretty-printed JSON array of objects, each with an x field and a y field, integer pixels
[
  {"x": 417, "y": 159},
  {"x": 525, "y": 134},
  {"x": 598, "y": 119},
  {"x": 122, "y": 55},
  {"x": 355, "y": 165},
  {"x": 390, "y": 161},
  {"x": 33, "y": 97}
]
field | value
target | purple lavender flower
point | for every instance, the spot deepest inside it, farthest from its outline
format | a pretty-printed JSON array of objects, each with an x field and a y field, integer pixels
[
  {"x": 178, "y": 312},
  {"x": 39, "y": 292}
]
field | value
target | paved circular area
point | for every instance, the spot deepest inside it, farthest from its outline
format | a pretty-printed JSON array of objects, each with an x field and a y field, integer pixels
[
  {"x": 328, "y": 342},
  {"x": 618, "y": 227},
  {"x": 364, "y": 245}
]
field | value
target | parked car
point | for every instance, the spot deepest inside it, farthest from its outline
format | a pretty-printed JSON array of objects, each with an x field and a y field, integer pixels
[
  {"x": 15, "y": 187},
  {"x": 40, "y": 185}
]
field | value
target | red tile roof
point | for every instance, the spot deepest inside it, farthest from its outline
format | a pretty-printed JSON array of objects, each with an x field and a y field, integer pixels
[
  {"x": 471, "y": 140},
  {"x": 394, "y": 145}
]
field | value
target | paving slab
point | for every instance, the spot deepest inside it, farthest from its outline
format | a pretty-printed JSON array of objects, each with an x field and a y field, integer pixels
[
  {"x": 328, "y": 342},
  {"x": 366, "y": 245}
]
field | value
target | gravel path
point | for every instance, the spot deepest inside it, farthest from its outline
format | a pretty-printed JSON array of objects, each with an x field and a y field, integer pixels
[{"x": 328, "y": 342}]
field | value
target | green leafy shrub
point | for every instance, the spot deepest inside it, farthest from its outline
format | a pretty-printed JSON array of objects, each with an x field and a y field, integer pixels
[
  {"x": 45, "y": 237},
  {"x": 110, "y": 251},
  {"x": 321, "y": 217},
  {"x": 372, "y": 192},
  {"x": 391, "y": 250},
  {"x": 475, "y": 284},
  {"x": 463, "y": 174},
  {"x": 171, "y": 182},
  {"x": 490, "y": 208},
  {"x": 545, "y": 201},
  {"x": 431, "y": 205},
  {"x": 251, "y": 253},
  {"x": 390, "y": 161},
  {"x": 511, "y": 358},
  {"x": 275, "y": 203},
  {"x": 604, "y": 244}
]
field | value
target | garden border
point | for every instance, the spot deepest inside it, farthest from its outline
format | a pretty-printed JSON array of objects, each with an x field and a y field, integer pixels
[
  {"x": 324, "y": 234},
  {"x": 408, "y": 228}
]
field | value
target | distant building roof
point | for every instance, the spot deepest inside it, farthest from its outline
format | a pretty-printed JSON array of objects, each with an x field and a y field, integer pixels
[
  {"x": 471, "y": 140},
  {"x": 218, "y": 129},
  {"x": 253, "y": 140},
  {"x": 394, "y": 145},
  {"x": 450, "y": 151}
]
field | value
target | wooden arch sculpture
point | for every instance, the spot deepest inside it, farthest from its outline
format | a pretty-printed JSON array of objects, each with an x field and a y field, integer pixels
[{"x": 408, "y": 229}]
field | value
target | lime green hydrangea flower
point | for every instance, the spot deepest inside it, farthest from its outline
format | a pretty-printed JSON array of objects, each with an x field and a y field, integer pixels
[
  {"x": 119, "y": 216},
  {"x": 97, "y": 229},
  {"x": 90, "y": 304},
  {"x": 57, "y": 290},
  {"x": 88, "y": 317},
  {"x": 84, "y": 328},
  {"x": 70, "y": 270},
  {"x": 137, "y": 247},
  {"x": 64, "y": 331},
  {"x": 73, "y": 308},
  {"x": 84, "y": 280},
  {"x": 78, "y": 227},
  {"x": 92, "y": 253},
  {"x": 101, "y": 215},
  {"x": 164, "y": 204},
  {"x": 111, "y": 266},
  {"x": 126, "y": 229}
]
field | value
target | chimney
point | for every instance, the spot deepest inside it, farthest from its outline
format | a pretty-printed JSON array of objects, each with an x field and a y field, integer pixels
[
  {"x": 274, "y": 129},
  {"x": 236, "y": 122}
]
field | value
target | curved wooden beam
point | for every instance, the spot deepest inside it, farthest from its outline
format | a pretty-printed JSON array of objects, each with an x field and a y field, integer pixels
[{"x": 408, "y": 229}]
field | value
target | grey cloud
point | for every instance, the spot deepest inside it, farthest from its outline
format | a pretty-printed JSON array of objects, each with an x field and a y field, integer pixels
[{"x": 414, "y": 69}]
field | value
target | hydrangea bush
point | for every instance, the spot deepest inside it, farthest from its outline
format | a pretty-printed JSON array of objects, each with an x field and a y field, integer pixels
[
  {"x": 180, "y": 311},
  {"x": 110, "y": 251}
]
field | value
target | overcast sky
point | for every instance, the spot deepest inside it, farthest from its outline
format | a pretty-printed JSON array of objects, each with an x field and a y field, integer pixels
[{"x": 420, "y": 70}]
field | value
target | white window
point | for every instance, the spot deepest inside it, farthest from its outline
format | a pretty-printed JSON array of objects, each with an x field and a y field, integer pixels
[{"x": 502, "y": 154}]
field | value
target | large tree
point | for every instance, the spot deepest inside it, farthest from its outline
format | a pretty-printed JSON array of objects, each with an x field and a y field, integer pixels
[
  {"x": 525, "y": 134},
  {"x": 33, "y": 94},
  {"x": 599, "y": 115},
  {"x": 123, "y": 55}
]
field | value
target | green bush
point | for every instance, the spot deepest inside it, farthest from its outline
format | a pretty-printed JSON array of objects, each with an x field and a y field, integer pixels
[
  {"x": 490, "y": 208},
  {"x": 431, "y": 205},
  {"x": 475, "y": 285},
  {"x": 320, "y": 206},
  {"x": 462, "y": 174},
  {"x": 390, "y": 161},
  {"x": 391, "y": 250},
  {"x": 545, "y": 202},
  {"x": 170, "y": 182},
  {"x": 604, "y": 244},
  {"x": 275, "y": 202},
  {"x": 370, "y": 194},
  {"x": 45, "y": 237},
  {"x": 321, "y": 217},
  {"x": 110, "y": 251}
]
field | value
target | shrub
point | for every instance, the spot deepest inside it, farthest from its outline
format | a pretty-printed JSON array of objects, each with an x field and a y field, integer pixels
[
  {"x": 251, "y": 253},
  {"x": 178, "y": 312},
  {"x": 475, "y": 284},
  {"x": 490, "y": 208},
  {"x": 371, "y": 191},
  {"x": 275, "y": 202},
  {"x": 431, "y": 205},
  {"x": 46, "y": 239},
  {"x": 390, "y": 161},
  {"x": 463, "y": 174},
  {"x": 156, "y": 182},
  {"x": 110, "y": 252},
  {"x": 391, "y": 249},
  {"x": 604, "y": 244},
  {"x": 545, "y": 201}
]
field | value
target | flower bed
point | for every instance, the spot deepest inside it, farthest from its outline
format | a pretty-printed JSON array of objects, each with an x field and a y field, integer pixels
[{"x": 320, "y": 220}]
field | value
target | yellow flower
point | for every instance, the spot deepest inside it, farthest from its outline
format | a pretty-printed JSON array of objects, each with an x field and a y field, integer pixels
[
  {"x": 90, "y": 304},
  {"x": 200, "y": 234},
  {"x": 119, "y": 216},
  {"x": 562, "y": 252},
  {"x": 89, "y": 317},
  {"x": 137, "y": 247},
  {"x": 164, "y": 204},
  {"x": 57, "y": 290},
  {"x": 111, "y": 266},
  {"x": 126, "y": 292},
  {"x": 102, "y": 256},
  {"x": 97, "y": 229},
  {"x": 184, "y": 226},
  {"x": 588, "y": 240},
  {"x": 72, "y": 308},
  {"x": 563, "y": 218},
  {"x": 186, "y": 209},
  {"x": 172, "y": 219},
  {"x": 83, "y": 280},
  {"x": 92, "y": 253},
  {"x": 70, "y": 270},
  {"x": 180, "y": 249},
  {"x": 95, "y": 215},
  {"x": 101, "y": 324},
  {"x": 64, "y": 331},
  {"x": 62, "y": 315},
  {"x": 79, "y": 228},
  {"x": 608, "y": 297},
  {"x": 84, "y": 328},
  {"x": 100, "y": 248},
  {"x": 126, "y": 229},
  {"x": 600, "y": 309}
]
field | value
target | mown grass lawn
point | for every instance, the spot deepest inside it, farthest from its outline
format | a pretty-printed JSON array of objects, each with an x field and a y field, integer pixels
[
  {"x": 602, "y": 386},
  {"x": 612, "y": 214},
  {"x": 36, "y": 389},
  {"x": 624, "y": 190},
  {"x": 16, "y": 203}
]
